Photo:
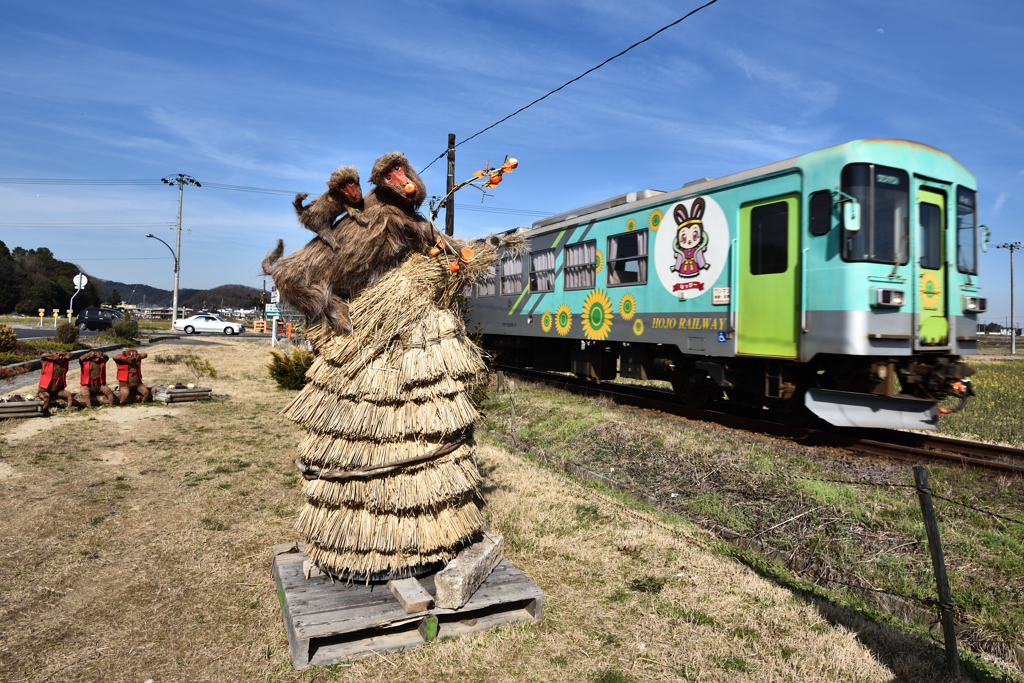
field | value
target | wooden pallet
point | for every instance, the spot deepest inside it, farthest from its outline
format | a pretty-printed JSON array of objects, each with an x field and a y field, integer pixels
[
  {"x": 165, "y": 395},
  {"x": 18, "y": 409},
  {"x": 327, "y": 623}
]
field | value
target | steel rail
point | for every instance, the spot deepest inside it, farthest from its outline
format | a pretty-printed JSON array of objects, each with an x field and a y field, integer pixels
[{"x": 878, "y": 442}]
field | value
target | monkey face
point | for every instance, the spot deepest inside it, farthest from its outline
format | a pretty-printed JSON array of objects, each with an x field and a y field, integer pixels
[
  {"x": 352, "y": 192},
  {"x": 396, "y": 176}
]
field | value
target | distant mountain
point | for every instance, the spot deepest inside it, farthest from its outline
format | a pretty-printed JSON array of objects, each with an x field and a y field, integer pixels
[{"x": 225, "y": 296}]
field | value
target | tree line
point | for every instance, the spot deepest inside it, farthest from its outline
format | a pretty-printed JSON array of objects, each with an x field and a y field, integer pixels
[{"x": 31, "y": 279}]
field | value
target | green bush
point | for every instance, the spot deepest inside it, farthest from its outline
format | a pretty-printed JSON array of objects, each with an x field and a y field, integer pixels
[
  {"x": 8, "y": 338},
  {"x": 67, "y": 333},
  {"x": 125, "y": 329},
  {"x": 8, "y": 358},
  {"x": 51, "y": 345},
  {"x": 289, "y": 371}
]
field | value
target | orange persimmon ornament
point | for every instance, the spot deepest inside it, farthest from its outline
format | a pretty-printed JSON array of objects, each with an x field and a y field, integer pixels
[
  {"x": 467, "y": 255},
  {"x": 434, "y": 251},
  {"x": 453, "y": 266}
]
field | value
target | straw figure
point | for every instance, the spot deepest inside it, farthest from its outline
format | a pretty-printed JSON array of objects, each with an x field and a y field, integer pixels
[
  {"x": 391, "y": 482},
  {"x": 129, "y": 377},
  {"x": 94, "y": 378},
  {"x": 53, "y": 381}
]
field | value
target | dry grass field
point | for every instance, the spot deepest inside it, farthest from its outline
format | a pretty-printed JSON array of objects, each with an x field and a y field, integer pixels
[{"x": 136, "y": 544}]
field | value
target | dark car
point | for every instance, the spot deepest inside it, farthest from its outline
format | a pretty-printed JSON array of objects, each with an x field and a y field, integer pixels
[{"x": 97, "y": 318}]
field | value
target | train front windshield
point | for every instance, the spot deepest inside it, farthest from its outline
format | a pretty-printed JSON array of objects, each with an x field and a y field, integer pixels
[{"x": 884, "y": 198}]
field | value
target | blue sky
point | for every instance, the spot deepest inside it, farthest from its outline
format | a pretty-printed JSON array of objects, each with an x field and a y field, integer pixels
[{"x": 276, "y": 95}]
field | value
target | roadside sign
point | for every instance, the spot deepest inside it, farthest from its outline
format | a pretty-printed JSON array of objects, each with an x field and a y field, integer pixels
[
  {"x": 275, "y": 296},
  {"x": 80, "y": 281},
  {"x": 273, "y": 311}
]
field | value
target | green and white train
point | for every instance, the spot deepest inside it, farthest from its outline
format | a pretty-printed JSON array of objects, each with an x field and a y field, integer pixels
[{"x": 841, "y": 283}]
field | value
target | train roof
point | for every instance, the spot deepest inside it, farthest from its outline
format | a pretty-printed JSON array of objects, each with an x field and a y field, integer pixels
[{"x": 644, "y": 197}]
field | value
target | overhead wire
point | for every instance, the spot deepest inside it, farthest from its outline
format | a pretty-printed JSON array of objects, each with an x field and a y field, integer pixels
[{"x": 570, "y": 82}]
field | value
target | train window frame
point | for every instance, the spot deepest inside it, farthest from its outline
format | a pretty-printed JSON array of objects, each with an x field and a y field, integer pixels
[
  {"x": 534, "y": 272},
  {"x": 642, "y": 239},
  {"x": 511, "y": 275},
  {"x": 973, "y": 231},
  {"x": 492, "y": 276},
  {"x": 868, "y": 213},
  {"x": 814, "y": 218},
  {"x": 584, "y": 267},
  {"x": 756, "y": 244},
  {"x": 931, "y": 253}
]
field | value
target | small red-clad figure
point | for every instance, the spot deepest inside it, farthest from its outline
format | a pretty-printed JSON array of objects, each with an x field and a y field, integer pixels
[
  {"x": 94, "y": 378},
  {"x": 129, "y": 377},
  {"x": 54, "y": 380}
]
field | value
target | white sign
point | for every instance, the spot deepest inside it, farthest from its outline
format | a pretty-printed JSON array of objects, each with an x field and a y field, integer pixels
[
  {"x": 692, "y": 246},
  {"x": 80, "y": 281},
  {"x": 720, "y": 295},
  {"x": 275, "y": 296}
]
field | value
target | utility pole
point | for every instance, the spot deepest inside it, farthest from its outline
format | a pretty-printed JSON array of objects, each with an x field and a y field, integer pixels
[
  {"x": 1012, "y": 246},
  {"x": 181, "y": 180},
  {"x": 449, "y": 208}
]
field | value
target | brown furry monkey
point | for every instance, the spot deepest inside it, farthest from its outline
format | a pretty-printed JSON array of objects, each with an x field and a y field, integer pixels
[
  {"x": 94, "y": 378},
  {"x": 129, "y": 377},
  {"x": 318, "y": 280},
  {"x": 343, "y": 195},
  {"x": 53, "y": 381}
]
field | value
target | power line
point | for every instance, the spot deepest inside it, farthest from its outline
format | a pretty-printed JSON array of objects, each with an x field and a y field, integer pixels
[
  {"x": 244, "y": 188},
  {"x": 87, "y": 225},
  {"x": 545, "y": 96},
  {"x": 78, "y": 181}
]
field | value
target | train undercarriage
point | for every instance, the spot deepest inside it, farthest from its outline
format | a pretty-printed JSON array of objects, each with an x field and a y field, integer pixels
[{"x": 849, "y": 391}]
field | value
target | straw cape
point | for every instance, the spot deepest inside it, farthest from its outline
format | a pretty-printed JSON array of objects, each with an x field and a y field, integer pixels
[{"x": 390, "y": 477}]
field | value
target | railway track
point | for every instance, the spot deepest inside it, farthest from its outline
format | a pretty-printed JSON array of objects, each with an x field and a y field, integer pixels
[{"x": 887, "y": 443}]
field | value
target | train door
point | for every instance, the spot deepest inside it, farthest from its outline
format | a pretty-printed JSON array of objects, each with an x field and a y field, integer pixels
[
  {"x": 768, "y": 300},
  {"x": 933, "y": 325}
]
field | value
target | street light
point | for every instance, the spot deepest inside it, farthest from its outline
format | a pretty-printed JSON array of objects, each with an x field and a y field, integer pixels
[
  {"x": 181, "y": 180},
  {"x": 174, "y": 312},
  {"x": 1012, "y": 247}
]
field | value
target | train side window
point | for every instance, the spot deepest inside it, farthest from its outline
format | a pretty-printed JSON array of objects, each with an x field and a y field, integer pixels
[
  {"x": 486, "y": 287},
  {"x": 511, "y": 273},
  {"x": 542, "y": 271},
  {"x": 966, "y": 231},
  {"x": 769, "y": 238},
  {"x": 580, "y": 265},
  {"x": 820, "y": 213},
  {"x": 627, "y": 258}
]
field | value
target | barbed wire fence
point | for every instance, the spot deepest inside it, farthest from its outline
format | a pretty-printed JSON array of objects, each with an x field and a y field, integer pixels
[{"x": 941, "y": 604}]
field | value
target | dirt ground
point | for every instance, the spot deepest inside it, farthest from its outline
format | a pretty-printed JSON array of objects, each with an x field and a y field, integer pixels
[{"x": 136, "y": 544}]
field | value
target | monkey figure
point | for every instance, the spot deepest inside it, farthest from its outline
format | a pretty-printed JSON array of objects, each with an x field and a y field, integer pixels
[
  {"x": 129, "y": 377},
  {"x": 343, "y": 195},
  {"x": 53, "y": 381},
  {"x": 303, "y": 277},
  {"x": 94, "y": 378}
]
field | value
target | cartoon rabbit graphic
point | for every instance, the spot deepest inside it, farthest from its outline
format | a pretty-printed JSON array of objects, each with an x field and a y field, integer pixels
[{"x": 691, "y": 240}]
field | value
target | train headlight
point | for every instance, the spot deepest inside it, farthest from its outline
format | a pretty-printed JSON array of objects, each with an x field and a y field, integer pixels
[
  {"x": 975, "y": 304},
  {"x": 889, "y": 298}
]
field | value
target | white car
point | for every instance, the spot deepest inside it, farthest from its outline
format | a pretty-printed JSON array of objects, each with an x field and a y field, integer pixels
[{"x": 206, "y": 322}]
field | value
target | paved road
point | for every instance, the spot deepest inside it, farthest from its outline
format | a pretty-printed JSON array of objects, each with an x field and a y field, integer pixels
[{"x": 26, "y": 332}]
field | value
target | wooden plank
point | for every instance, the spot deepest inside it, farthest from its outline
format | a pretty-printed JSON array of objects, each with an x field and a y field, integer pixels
[
  {"x": 457, "y": 582},
  {"x": 410, "y": 595},
  {"x": 326, "y": 623}
]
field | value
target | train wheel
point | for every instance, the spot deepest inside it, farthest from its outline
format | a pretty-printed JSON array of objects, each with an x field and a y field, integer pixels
[{"x": 691, "y": 394}]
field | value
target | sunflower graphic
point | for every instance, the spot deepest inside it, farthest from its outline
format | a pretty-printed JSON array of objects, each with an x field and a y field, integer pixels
[
  {"x": 545, "y": 321},
  {"x": 597, "y": 315},
  {"x": 638, "y": 327},
  {"x": 563, "y": 319},
  {"x": 627, "y": 307},
  {"x": 599, "y": 261},
  {"x": 631, "y": 225},
  {"x": 655, "y": 220}
]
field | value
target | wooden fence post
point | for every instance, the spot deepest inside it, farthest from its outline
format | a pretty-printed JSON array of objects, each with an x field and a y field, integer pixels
[
  {"x": 512, "y": 405},
  {"x": 924, "y": 495}
]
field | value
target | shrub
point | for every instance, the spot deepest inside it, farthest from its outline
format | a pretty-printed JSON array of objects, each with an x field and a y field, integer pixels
[
  {"x": 170, "y": 359},
  {"x": 36, "y": 345},
  {"x": 8, "y": 338},
  {"x": 125, "y": 329},
  {"x": 8, "y": 358},
  {"x": 67, "y": 333},
  {"x": 198, "y": 366},
  {"x": 289, "y": 371}
]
